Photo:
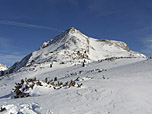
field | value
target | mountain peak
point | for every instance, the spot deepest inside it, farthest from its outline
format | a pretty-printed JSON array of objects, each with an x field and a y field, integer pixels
[
  {"x": 71, "y": 30},
  {"x": 74, "y": 47}
]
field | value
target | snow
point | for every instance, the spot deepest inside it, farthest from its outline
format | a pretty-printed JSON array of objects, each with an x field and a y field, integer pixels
[
  {"x": 73, "y": 47},
  {"x": 115, "y": 80},
  {"x": 3, "y": 67},
  {"x": 126, "y": 89},
  {"x": 21, "y": 109}
]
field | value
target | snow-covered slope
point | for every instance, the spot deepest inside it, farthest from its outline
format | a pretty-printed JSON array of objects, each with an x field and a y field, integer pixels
[
  {"x": 118, "y": 86},
  {"x": 73, "y": 47},
  {"x": 3, "y": 67}
]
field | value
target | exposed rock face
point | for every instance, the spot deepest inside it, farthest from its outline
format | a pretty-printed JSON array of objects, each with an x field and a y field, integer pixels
[
  {"x": 122, "y": 45},
  {"x": 43, "y": 45},
  {"x": 118, "y": 44},
  {"x": 73, "y": 46}
]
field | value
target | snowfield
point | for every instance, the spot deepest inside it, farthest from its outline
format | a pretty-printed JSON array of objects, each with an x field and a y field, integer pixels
[{"x": 124, "y": 86}]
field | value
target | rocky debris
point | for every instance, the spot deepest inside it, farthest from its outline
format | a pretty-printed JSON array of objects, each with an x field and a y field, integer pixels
[
  {"x": 114, "y": 58},
  {"x": 97, "y": 70}
]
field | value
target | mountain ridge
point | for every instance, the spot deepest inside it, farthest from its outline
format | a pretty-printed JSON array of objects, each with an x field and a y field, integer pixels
[{"x": 74, "y": 47}]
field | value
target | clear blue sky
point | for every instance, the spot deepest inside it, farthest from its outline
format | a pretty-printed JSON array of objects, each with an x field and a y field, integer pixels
[{"x": 26, "y": 24}]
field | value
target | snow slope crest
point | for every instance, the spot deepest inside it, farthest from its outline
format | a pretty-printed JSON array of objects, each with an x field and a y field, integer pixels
[
  {"x": 72, "y": 46},
  {"x": 3, "y": 67}
]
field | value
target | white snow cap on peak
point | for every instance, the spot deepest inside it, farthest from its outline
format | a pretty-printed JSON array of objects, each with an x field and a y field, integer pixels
[
  {"x": 3, "y": 67},
  {"x": 73, "y": 30}
]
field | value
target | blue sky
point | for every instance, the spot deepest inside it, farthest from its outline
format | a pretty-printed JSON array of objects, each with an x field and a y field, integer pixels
[{"x": 26, "y": 24}]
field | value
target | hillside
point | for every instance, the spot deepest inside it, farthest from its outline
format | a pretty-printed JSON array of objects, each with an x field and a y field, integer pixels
[{"x": 121, "y": 86}]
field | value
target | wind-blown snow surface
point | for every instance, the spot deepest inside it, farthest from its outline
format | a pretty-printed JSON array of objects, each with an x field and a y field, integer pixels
[{"x": 123, "y": 87}]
